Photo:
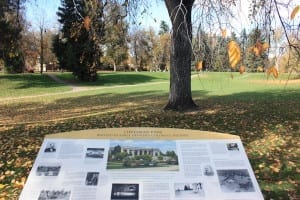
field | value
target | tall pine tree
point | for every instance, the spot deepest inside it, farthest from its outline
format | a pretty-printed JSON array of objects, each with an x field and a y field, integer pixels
[
  {"x": 11, "y": 26},
  {"x": 78, "y": 46}
]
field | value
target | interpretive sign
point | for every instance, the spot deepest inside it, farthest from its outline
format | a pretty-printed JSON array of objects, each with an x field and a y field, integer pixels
[{"x": 141, "y": 164}]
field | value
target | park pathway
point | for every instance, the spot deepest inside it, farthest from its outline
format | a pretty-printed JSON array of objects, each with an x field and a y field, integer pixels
[{"x": 75, "y": 87}]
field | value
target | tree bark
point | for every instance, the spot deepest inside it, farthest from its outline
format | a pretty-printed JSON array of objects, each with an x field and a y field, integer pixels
[{"x": 180, "y": 95}]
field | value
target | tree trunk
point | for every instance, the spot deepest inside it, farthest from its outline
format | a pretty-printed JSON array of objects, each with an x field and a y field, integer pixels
[
  {"x": 42, "y": 51},
  {"x": 180, "y": 96},
  {"x": 115, "y": 67}
]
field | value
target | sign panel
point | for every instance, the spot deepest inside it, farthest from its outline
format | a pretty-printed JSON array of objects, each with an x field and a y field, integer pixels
[{"x": 141, "y": 164}]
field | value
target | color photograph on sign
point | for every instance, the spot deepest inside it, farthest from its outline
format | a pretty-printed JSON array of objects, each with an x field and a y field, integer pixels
[{"x": 156, "y": 155}]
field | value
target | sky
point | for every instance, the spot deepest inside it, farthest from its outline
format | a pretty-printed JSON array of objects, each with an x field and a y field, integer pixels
[{"x": 36, "y": 9}]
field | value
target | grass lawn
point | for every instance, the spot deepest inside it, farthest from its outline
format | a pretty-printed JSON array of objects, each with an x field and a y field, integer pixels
[
  {"x": 114, "y": 165},
  {"x": 264, "y": 113}
]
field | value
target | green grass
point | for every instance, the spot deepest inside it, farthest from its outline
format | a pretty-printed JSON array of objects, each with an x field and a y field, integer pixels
[
  {"x": 115, "y": 165},
  {"x": 18, "y": 85},
  {"x": 265, "y": 114}
]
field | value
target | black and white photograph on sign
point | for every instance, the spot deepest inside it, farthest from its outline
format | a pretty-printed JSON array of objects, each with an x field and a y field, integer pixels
[
  {"x": 232, "y": 147},
  {"x": 50, "y": 148},
  {"x": 54, "y": 195},
  {"x": 208, "y": 170},
  {"x": 188, "y": 190},
  {"x": 126, "y": 191},
  {"x": 153, "y": 155},
  {"x": 235, "y": 180},
  {"x": 48, "y": 170},
  {"x": 92, "y": 178},
  {"x": 94, "y": 153}
]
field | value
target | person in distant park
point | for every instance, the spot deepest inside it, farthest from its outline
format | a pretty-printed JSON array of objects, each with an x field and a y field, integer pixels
[{"x": 50, "y": 148}]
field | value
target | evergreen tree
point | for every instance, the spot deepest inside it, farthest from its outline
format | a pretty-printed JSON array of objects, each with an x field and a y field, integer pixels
[
  {"x": 252, "y": 60},
  {"x": 243, "y": 42},
  {"x": 203, "y": 49},
  {"x": 220, "y": 54},
  {"x": 11, "y": 26},
  {"x": 78, "y": 46},
  {"x": 164, "y": 28}
]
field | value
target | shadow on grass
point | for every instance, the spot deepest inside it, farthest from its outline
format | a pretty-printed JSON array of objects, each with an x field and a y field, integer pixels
[
  {"x": 127, "y": 79},
  {"x": 242, "y": 113},
  {"x": 119, "y": 78},
  {"x": 25, "y": 81}
]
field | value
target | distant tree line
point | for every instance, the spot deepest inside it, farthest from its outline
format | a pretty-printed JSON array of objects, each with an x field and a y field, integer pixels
[
  {"x": 212, "y": 50},
  {"x": 95, "y": 35}
]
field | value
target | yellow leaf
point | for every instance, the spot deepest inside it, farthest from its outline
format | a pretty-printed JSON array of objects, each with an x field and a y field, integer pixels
[
  {"x": 87, "y": 23},
  {"x": 261, "y": 165},
  {"x": 259, "y": 48},
  {"x": 23, "y": 179},
  {"x": 295, "y": 11},
  {"x": 234, "y": 53},
  {"x": 273, "y": 71},
  {"x": 199, "y": 65},
  {"x": 291, "y": 163},
  {"x": 275, "y": 169},
  {"x": 256, "y": 51},
  {"x": 265, "y": 46},
  {"x": 260, "y": 69},
  {"x": 2, "y": 186},
  {"x": 223, "y": 33},
  {"x": 242, "y": 69}
]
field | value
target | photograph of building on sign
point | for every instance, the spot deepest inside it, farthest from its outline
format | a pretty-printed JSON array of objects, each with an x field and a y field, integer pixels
[{"x": 155, "y": 155}]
